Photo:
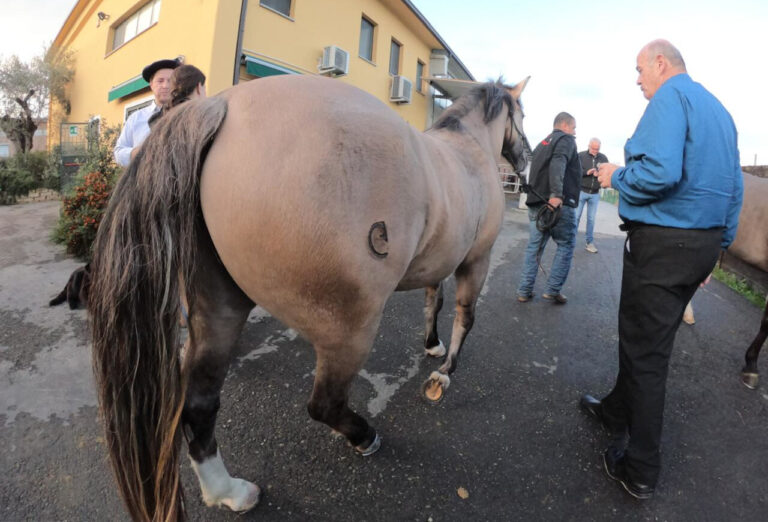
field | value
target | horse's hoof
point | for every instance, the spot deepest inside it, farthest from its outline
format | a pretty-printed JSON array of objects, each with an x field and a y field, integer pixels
[
  {"x": 435, "y": 387},
  {"x": 749, "y": 380},
  {"x": 370, "y": 450},
  {"x": 245, "y": 495},
  {"x": 436, "y": 351}
]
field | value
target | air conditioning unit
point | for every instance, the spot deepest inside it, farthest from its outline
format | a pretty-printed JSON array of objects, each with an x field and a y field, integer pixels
[
  {"x": 401, "y": 90},
  {"x": 335, "y": 61},
  {"x": 438, "y": 65}
]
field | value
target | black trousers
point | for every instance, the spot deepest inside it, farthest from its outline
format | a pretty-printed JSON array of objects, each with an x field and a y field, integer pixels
[{"x": 662, "y": 269}]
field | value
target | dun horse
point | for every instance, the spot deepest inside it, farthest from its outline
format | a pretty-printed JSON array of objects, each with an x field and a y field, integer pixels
[
  {"x": 750, "y": 246},
  {"x": 312, "y": 199}
]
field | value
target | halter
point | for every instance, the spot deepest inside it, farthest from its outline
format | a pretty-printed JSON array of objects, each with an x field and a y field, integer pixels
[{"x": 505, "y": 151}]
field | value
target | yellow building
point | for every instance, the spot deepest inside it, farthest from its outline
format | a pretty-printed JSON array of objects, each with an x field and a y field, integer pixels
[{"x": 385, "y": 47}]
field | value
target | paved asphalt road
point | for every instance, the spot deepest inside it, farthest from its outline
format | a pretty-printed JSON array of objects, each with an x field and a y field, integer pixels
[{"x": 509, "y": 431}]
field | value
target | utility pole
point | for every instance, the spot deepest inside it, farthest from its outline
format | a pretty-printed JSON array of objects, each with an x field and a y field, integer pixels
[{"x": 239, "y": 50}]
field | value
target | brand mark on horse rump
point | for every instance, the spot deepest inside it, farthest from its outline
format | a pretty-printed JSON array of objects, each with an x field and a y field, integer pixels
[{"x": 377, "y": 239}]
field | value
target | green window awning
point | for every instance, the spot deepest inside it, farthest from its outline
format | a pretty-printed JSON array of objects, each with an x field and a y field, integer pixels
[
  {"x": 126, "y": 88},
  {"x": 261, "y": 68}
]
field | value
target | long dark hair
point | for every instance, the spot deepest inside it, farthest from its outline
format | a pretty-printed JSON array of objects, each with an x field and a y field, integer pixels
[{"x": 185, "y": 79}]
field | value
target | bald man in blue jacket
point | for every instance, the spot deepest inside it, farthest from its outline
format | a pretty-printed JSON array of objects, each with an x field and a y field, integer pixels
[{"x": 680, "y": 195}]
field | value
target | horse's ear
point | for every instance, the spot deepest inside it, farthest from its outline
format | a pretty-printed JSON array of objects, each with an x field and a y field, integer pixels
[{"x": 517, "y": 90}]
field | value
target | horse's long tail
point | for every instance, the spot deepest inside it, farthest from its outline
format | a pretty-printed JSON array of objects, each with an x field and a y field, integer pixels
[{"x": 145, "y": 242}]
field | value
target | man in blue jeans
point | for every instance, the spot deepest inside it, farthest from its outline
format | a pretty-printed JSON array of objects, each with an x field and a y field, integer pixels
[
  {"x": 554, "y": 185},
  {"x": 590, "y": 189}
]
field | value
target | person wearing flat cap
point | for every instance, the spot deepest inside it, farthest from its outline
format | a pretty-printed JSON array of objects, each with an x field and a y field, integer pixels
[{"x": 136, "y": 128}]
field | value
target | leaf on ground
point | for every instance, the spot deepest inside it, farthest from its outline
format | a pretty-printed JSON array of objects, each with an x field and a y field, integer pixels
[{"x": 463, "y": 493}]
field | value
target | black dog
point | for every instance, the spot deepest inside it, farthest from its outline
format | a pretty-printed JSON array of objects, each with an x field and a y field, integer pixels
[{"x": 76, "y": 291}]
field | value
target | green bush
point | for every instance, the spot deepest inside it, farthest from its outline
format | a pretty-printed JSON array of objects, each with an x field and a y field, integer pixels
[
  {"x": 14, "y": 182},
  {"x": 25, "y": 172},
  {"x": 82, "y": 211},
  {"x": 83, "y": 206}
]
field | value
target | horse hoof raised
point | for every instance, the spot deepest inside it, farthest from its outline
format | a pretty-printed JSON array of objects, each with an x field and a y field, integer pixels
[
  {"x": 370, "y": 450},
  {"x": 435, "y": 387},
  {"x": 436, "y": 351},
  {"x": 749, "y": 380}
]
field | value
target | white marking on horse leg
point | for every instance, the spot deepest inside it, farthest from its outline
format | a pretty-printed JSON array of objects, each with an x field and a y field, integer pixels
[
  {"x": 370, "y": 450},
  {"x": 436, "y": 351},
  {"x": 220, "y": 489},
  {"x": 688, "y": 314},
  {"x": 442, "y": 378}
]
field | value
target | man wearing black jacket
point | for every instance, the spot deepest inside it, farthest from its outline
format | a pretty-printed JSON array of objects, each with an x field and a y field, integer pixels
[
  {"x": 554, "y": 181},
  {"x": 590, "y": 189}
]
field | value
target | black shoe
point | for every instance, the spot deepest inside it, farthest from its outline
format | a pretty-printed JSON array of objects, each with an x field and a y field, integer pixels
[
  {"x": 594, "y": 408},
  {"x": 614, "y": 462}
]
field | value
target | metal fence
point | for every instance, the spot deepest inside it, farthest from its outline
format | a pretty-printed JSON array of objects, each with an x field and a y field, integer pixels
[
  {"x": 509, "y": 180},
  {"x": 75, "y": 141}
]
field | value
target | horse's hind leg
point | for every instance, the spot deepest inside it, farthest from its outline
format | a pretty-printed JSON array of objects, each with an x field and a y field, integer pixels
[
  {"x": 216, "y": 317},
  {"x": 749, "y": 374},
  {"x": 470, "y": 277},
  {"x": 433, "y": 303},
  {"x": 337, "y": 365}
]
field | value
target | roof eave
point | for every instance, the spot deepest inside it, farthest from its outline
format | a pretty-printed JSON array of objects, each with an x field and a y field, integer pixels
[{"x": 439, "y": 38}]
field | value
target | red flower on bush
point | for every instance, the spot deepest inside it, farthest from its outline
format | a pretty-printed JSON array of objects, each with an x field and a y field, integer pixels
[{"x": 82, "y": 212}]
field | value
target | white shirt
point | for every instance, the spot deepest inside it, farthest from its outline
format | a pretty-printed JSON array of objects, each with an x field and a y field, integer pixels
[{"x": 134, "y": 132}]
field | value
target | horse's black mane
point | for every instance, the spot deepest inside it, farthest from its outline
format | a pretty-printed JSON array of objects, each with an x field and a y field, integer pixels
[{"x": 493, "y": 94}]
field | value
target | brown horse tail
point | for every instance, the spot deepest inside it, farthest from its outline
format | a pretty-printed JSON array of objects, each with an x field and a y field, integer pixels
[{"x": 146, "y": 241}]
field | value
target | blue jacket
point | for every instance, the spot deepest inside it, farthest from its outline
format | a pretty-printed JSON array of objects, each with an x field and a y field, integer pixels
[{"x": 682, "y": 163}]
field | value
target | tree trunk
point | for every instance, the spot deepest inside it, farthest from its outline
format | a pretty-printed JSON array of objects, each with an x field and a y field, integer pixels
[{"x": 21, "y": 130}]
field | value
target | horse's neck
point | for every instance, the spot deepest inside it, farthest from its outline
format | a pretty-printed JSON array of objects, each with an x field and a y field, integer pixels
[{"x": 476, "y": 135}]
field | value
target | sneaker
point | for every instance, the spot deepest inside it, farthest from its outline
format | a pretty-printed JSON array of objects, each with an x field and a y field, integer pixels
[
  {"x": 524, "y": 298},
  {"x": 591, "y": 248}
]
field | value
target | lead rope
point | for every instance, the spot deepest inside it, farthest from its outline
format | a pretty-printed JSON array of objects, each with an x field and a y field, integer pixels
[{"x": 546, "y": 218}]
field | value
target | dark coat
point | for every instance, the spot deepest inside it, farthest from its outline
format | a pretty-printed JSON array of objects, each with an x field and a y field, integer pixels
[
  {"x": 589, "y": 184},
  {"x": 555, "y": 170}
]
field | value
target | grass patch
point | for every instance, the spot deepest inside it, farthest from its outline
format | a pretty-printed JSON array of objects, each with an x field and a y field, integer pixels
[{"x": 740, "y": 285}]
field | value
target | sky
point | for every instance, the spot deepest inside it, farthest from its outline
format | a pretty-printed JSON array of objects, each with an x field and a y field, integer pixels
[
  {"x": 580, "y": 55},
  {"x": 28, "y": 26}
]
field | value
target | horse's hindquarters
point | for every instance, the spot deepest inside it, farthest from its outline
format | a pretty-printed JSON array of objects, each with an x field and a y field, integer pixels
[{"x": 292, "y": 223}]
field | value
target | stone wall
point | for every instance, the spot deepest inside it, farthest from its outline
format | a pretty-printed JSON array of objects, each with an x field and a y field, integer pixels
[{"x": 38, "y": 195}]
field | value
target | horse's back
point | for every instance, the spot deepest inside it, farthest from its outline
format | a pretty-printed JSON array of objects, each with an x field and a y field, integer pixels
[{"x": 298, "y": 175}]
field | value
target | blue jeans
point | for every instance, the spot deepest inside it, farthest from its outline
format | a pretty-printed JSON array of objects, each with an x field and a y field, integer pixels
[
  {"x": 592, "y": 200},
  {"x": 563, "y": 234}
]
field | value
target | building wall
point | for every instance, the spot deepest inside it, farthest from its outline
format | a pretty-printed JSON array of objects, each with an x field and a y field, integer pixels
[
  {"x": 298, "y": 43},
  {"x": 189, "y": 28},
  {"x": 205, "y": 33}
]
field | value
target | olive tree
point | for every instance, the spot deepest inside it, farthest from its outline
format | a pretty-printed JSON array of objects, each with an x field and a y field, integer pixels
[{"x": 26, "y": 89}]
